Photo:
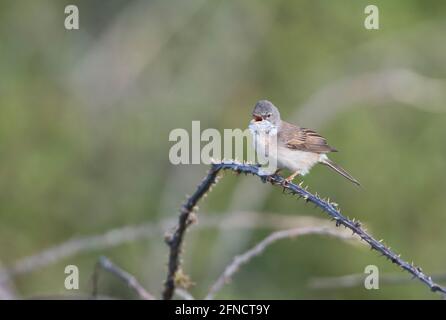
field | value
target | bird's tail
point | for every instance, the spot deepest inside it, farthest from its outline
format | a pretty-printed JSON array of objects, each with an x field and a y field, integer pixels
[{"x": 339, "y": 170}]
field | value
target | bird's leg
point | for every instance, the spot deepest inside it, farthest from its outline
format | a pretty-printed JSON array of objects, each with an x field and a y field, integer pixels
[
  {"x": 290, "y": 178},
  {"x": 275, "y": 173}
]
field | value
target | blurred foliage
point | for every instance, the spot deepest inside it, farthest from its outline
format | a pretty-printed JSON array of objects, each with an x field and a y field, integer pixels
[{"x": 85, "y": 117}]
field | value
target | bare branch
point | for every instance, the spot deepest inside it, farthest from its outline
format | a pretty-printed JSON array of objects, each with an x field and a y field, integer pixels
[
  {"x": 182, "y": 293},
  {"x": 71, "y": 296},
  {"x": 175, "y": 241},
  {"x": 131, "y": 281},
  {"x": 7, "y": 287},
  {"x": 335, "y": 214},
  {"x": 72, "y": 247},
  {"x": 121, "y": 235},
  {"x": 244, "y": 258}
]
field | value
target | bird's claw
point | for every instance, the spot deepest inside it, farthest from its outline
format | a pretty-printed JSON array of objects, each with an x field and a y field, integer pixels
[
  {"x": 285, "y": 182},
  {"x": 267, "y": 178}
]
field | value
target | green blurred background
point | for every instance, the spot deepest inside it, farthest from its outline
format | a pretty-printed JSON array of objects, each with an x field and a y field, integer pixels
[{"x": 85, "y": 118}]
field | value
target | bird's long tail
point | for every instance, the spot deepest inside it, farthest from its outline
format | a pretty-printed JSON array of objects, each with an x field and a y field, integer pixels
[{"x": 339, "y": 170}]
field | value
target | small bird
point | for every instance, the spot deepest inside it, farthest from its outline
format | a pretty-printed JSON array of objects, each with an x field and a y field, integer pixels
[{"x": 294, "y": 148}]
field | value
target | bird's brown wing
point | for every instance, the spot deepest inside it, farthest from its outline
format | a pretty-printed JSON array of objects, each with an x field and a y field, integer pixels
[{"x": 303, "y": 139}]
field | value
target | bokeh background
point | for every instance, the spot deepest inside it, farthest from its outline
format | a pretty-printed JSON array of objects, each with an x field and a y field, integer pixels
[{"x": 85, "y": 118}]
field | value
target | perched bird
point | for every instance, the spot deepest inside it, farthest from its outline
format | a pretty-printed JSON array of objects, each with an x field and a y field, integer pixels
[{"x": 290, "y": 147}]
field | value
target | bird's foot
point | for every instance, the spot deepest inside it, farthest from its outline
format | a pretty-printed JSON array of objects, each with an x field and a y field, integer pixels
[
  {"x": 285, "y": 182},
  {"x": 266, "y": 176}
]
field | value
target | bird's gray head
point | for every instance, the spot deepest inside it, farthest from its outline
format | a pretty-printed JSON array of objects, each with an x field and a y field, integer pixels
[{"x": 265, "y": 110}]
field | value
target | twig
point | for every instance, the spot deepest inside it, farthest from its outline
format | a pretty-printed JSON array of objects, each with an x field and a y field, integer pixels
[
  {"x": 75, "y": 246},
  {"x": 71, "y": 296},
  {"x": 244, "y": 258},
  {"x": 131, "y": 281},
  {"x": 175, "y": 241},
  {"x": 7, "y": 287},
  {"x": 185, "y": 295},
  {"x": 117, "y": 236}
]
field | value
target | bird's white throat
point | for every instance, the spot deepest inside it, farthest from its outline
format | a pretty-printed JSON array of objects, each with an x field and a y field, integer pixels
[
  {"x": 264, "y": 135},
  {"x": 263, "y": 127}
]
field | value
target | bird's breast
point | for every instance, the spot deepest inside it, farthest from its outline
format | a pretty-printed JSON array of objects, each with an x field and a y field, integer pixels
[{"x": 296, "y": 160}]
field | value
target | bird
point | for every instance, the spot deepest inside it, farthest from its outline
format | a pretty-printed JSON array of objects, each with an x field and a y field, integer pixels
[{"x": 291, "y": 147}]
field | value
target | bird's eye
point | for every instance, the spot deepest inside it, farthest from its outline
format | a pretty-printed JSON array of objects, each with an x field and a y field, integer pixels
[{"x": 269, "y": 115}]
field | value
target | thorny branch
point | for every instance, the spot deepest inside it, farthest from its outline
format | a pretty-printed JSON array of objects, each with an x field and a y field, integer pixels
[{"x": 186, "y": 218}]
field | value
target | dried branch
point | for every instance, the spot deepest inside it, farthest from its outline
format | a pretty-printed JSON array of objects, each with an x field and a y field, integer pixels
[
  {"x": 117, "y": 236},
  {"x": 106, "y": 264},
  {"x": 175, "y": 241},
  {"x": 244, "y": 258},
  {"x": 7, "y": 287},
  {"x": 186, "y": 218},
  {"x": 75, "y": 246},
  {"x": 184, "y": 294}
]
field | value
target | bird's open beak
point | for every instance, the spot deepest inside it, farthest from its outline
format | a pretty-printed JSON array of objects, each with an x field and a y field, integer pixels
[{"x": 256, "y": 118}]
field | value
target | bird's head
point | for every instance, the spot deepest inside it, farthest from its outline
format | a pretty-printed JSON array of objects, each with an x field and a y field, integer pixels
[{"x": 265, "y": 111}]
